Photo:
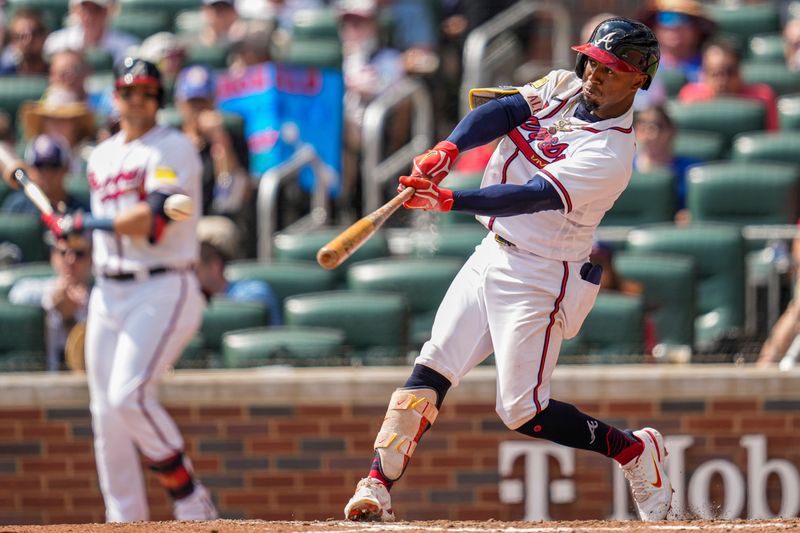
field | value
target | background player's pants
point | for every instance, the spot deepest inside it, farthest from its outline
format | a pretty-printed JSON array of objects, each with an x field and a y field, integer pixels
[
  {"x": 518, "y": 305},
  {"x": 135, "y": 331}
]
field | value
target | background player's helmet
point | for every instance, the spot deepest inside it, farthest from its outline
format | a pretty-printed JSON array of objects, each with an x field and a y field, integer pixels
[
  {"x": 622, "y": 45},
  {"x": 136, "y": 71}
]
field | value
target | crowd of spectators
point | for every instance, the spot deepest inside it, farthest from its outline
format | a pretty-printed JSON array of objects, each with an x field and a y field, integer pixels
[{"x": 382, "y": 42}]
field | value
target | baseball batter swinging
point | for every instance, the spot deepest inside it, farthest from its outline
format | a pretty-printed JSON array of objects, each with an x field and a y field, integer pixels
[
  {"x": 146, "y": 303},
  {"x": 565, "y": 156}
]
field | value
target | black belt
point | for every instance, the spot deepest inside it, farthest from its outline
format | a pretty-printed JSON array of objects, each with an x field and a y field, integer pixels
[
  {"x": 503, "y": 241},
  {"x": 129, "y": 276}
]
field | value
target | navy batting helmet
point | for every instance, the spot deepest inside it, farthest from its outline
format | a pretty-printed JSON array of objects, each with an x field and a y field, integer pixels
[
  {"x": 623, "y": 45},
  {"x": 136, "y": 71}
]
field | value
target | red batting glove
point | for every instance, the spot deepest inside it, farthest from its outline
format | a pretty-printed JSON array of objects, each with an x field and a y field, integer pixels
[
  {"x": 427, "y": 196},
  {"x": 63, "y": 225},
  {"x": 435, "y": 164}
]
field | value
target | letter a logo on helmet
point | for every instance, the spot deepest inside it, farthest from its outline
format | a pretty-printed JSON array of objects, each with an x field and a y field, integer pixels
[{"x": 623, "y": 45}]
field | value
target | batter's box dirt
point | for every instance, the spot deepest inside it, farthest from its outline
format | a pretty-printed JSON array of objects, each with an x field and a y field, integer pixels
[{"x": 445, "y": 526}]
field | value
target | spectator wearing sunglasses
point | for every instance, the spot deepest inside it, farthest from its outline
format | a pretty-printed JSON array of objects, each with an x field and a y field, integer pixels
[
  {"x": 47, "y": 160},
  {"x": 64, "y": 296},
  {"x": 25, "y": 52},
  {"x": 721, "y": 76},
  {"x": 682, "y": 28}
]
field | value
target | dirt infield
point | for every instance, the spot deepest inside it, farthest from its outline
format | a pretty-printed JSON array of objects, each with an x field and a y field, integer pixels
[{"x": 256, "y": 526}]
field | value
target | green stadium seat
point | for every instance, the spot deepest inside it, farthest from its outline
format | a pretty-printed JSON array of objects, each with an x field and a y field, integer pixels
[
  {"x": 222, "y": 315},
  {"x": 613, "y": 332},
  {"x": 173, "y": 6},
  {"x": 789, "y": 111},
  {"x": 375, "y": 324},
  {"x": 53, "y": 11},
  {"x": 215, "y": 57},
  {"x": 286, "y": 278},
  {"x": 776, "y": 75},
  {"x": 458, "y": 181},
  {"x": 781, "y": 146},
  {"x": 78, "y": 186},
  {"x": 283, "y": 345},
  {"x": 423, "y": 282},
  {"x": 21, "y": 337},
  {"x": 315, "y": 24},
  {"x": 189, "y": 22},
  {"x": 718, "y": 253},
  {"x": 170, "y": 116},
  {"x": 312, "y": 52},
  {"x": 14, "y": 90},
  {"x": 669, "y": 292},
  {"x": 649, "y": 198},
  {"x": 143, "y": 24},
  {"x": 99, "y": 59},
  {"x": 454, "y": 241},
  {"x": 26, "y": 232},
  {"x": 743, "y": 21},
  {"x": 700, "y": 145},
  {"x": 12, "y": 274},
  {"x": 304, "y": 247},
  {"x": 725, "y": 192},
  {"x": 5, "y": 190},
  {"x": 726, "y": 116},
  {"x": 767, "y": 47},
  {"x": 194, "y": 355},
  {"x": 673, "y": 80}
]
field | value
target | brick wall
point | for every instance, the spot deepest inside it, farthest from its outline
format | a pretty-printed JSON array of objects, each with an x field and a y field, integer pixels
[{"x": 291, "y": 444}]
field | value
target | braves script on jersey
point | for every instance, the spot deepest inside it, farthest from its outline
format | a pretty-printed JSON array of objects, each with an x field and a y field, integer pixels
[
  {"x": 122, "y": 174},
  {"x": 589, "y": 164}
]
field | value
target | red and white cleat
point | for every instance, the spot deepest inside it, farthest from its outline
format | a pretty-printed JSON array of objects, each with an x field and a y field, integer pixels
[
  {"x": 647, "y": 475},
  {"x": 370, "y": 503}
]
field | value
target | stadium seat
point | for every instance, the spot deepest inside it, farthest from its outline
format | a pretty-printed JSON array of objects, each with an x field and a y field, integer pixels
[
  {"x": 222, "y": 315},
  {"x": 743, "y": 21},
  {"x": 286, "y": 278},
  {"x": 700, "y": 145},
  {"x": 781, "y": 146},
  {"x": 5, "y": 190},
  {"x": 304, "y": 247},
  {"x": 12, "y": 274},
  {"x": 789, "y": 111},
  {"x": 173, "y": 6},
  {"x": 53, "y": 11},
  {"x": 649, "y": 198},
  {"x": 78, "y": 186},
  {"x": 452, "y": 241},
  {"x": 215, "y": 57},
  {"x": 21, "y": 337},
  {"x": 726, "y": 116},
  {"x": 612, "y": 333},
  {"x": 673, "y": 80},
  {"x": 423, "y": 282},
  {"x": 776, "y": 75},
  {"x": 99, "y": 59},
  {"x": 669, "y": 292},
  {"x": 458, "y": 182},
  {"x": 194, "y": 355},
  {"x": 743, "y": 192},
  {"x": 767, "y": 47},
  {"x": 17, "y": 89},
  {"x": 143, "y": 24},
  {"x": 375, "y": 324},
  {"x": 718, "y": 253},
  {"x": 26, "y": 232},
  {"x": 284, "y": 345}
]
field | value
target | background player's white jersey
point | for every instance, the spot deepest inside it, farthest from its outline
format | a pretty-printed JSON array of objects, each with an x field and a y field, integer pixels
[
  {"x": 122, "y": 174},
  {"x": 589, "y": 164}
]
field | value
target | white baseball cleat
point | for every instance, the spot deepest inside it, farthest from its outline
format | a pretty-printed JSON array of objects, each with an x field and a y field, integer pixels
[
  {"x": 647, "y": 475},
  {"x": 196, "y": 506},
  {"x": 370, "y": 503}
]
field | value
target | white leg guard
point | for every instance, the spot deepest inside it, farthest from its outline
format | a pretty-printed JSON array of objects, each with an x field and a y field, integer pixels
[{"x": 409, "y": 413}]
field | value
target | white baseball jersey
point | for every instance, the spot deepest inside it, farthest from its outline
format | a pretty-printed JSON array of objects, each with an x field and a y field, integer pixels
[
  {"x": 589, "y": 164},
  {"x": 122, "y": 174}
]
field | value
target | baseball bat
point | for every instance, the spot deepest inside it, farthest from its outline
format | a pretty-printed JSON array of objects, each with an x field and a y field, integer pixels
[
  {"x": 348, "y": 241},
  {"x": 11, "y": 165}
]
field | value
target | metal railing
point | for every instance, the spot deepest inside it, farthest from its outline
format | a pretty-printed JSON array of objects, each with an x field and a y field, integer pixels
[
  {"x": 487, "y": 46},
  {"x": 376, "y": 168},
  {"x": 270, "y": 185}
]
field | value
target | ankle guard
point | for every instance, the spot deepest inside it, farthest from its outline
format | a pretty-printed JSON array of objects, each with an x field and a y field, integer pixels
[{"x": 410, "y": 413}]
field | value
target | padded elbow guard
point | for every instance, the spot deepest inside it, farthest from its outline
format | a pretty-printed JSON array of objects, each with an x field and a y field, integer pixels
[{"x": 408, "y": 416}]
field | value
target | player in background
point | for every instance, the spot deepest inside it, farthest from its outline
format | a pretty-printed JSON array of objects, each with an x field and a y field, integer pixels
[
  {"x": 146, "y": 303},
  {"x": 565, "y": 156}
]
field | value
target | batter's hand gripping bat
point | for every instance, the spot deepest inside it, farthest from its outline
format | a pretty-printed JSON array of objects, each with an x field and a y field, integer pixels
[{"x": 347, "y": 242}]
